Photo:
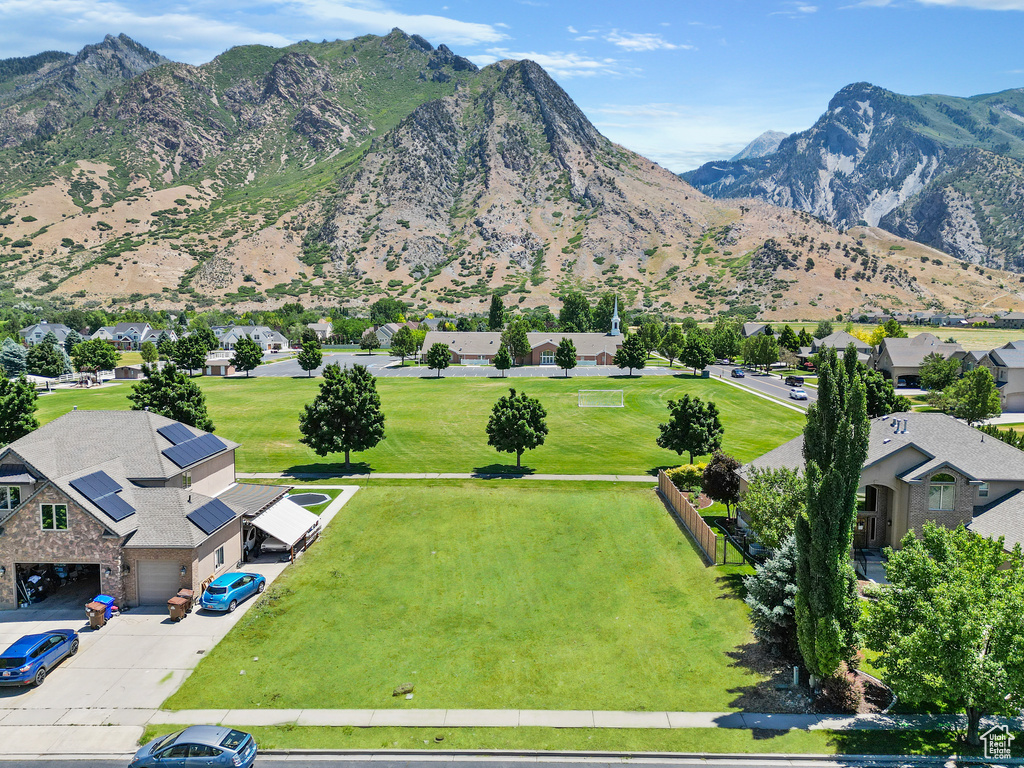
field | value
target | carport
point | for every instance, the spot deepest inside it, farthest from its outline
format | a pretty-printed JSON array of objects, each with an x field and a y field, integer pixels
[{"x": 296, "y": 528}]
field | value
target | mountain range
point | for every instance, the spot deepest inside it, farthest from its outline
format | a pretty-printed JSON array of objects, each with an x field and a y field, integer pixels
[
  {"x": 941, "y": 170},
  {"x": 339, "y": 172}
]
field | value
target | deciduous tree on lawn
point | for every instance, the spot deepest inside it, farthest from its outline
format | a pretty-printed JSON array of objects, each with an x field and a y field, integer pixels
[
  {"x": 369, "y": 341},
  {"x": 937, "y": 372},
  {"x": 565, "y": 355},
  {"x": 650, "y": 335},
  {"x": 772, "y": 502},
  {"x": 835, "y": 447},
  {"x": 697, "y": 352},
  {"x": 726, "y": 342},
  {"x": 17, "y": 409},
  {"x": 515, "y": 340},
  {"x": 403, "y": 343},
  {"x": 503, "y": 361},
  {"x": 632, "y": 354},
  {"x": 949, "y": 624},
  {"x": 190, "y": 352},
  {"x": 171, "y": 393},
  {"x": 149, "y": 352},
  {"x": 95, "y": 355},
  {"x": 693, "y": 427},
  {"x": 974, "y": 397},
  {"x": 721, "y": 481},
  {"x": 248, "y": 355},
  {"x": 517, "y": 424},
  {"x": 439, "y": 357},
  {"x": 311, "y": 356},
  {"x": 345, "y": 415},
  {"x": 672, "y": 342}
]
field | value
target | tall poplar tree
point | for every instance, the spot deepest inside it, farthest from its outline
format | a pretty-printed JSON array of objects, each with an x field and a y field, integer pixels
[{"x": 835, "y": 447}]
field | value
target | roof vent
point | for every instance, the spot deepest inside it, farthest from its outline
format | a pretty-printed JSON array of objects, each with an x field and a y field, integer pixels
[{"x": 905, "y": 422}]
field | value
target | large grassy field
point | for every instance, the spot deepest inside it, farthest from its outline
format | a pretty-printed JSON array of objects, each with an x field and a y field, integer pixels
[
  {"x": 438, "y": 425},
  {"x": 556, "y": 595}
]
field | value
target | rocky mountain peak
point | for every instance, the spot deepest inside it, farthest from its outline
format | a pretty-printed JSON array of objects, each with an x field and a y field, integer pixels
[{"x": 295, "y": 78}]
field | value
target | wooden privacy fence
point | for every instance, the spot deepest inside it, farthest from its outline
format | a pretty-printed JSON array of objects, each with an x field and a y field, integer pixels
[{"x": 699, "y": 530}]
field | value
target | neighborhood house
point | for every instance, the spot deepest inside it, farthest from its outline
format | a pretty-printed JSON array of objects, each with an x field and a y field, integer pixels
[
  {"x": 133, "y": 503},
  {"x": 927, "y": 466}
]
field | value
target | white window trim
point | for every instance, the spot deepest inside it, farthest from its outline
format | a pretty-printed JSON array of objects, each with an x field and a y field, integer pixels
[
  {"x": 218, "y": 558},
  {"x": 67, "y": 521},
  {"x": 942, "y": 494},
  {"x": 5, "y": 496},
  {"x": 983, "y": 491}
]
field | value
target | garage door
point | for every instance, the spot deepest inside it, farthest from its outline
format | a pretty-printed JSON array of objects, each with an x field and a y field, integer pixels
[{"x": 159, "y": 580}]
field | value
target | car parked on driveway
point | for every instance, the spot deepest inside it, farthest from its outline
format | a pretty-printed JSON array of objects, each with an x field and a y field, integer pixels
[
  {"x": 198, "y": 745},
  {"x": 797, "y": 394},
  {"x": 794, "y": 381},
  {"x": 227, "y": 591},
  {"x": 737, "y": 373},
  {"x": 28, "y": 660}
]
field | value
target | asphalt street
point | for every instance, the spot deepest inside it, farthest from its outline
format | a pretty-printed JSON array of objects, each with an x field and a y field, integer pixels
[
  {"x": 380, "y": 760},
  {"x": 381, "y": 365}
]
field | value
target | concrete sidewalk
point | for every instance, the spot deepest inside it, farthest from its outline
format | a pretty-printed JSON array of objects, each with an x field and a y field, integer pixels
[
  {"x": 513, "y": 718},
  {"x": 441, "y": 476}
]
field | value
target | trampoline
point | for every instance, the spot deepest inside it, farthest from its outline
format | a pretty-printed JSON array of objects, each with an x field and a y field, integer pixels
[{"x": 309, "y": 499}]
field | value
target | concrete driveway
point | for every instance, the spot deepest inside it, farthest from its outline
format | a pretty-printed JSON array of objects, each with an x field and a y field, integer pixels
[{"x": 135, "y": 662}]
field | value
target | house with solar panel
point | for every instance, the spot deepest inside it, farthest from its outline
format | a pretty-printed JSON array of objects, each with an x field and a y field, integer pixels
[{"x": 129, "y": 504}]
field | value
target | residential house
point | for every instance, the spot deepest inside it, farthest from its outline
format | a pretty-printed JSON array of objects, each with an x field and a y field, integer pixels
[
  {"x": 900, "y": 359},
  {"x": 131, "y": 336},
  {"x": 36, "y": 333},
  {"x": 839, "y": 341},
  {"x": 1007, "y": 367},
  {"x": 268, "y": 340},
  {"x": 1010, "y": 320},
  {"x": 480, "y": 347},
  {"x": 752, "y": 329},
  {"x": 133, "y": 502},
  {"x": 323, "y": 331},
  {"x": 386, "y": 331},
  {"x": 927, "y": 466}
]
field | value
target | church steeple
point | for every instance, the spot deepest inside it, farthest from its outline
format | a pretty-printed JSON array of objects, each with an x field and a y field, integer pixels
[{"x": 615, "y": 320}]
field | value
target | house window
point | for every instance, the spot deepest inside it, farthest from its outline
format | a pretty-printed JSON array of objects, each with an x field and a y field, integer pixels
[
  {"x": 218, "y": 557},
  {"x": 186, "y": 479},
  {"x": 941, "y": 493},
  {"x": 983, "y": 491},
  {"x": 54, "y": 517},
  {"x": 10, "y": 496}
]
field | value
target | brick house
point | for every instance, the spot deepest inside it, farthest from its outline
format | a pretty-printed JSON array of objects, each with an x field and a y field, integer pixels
[
  {"x": 927, "y": 466},
  {"x": 139, "y": 504}
]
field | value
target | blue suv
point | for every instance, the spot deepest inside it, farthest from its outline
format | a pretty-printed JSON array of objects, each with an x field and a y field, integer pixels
[
  {"x": 227, "y": 591},
  {"x": 29, "y": 659}
]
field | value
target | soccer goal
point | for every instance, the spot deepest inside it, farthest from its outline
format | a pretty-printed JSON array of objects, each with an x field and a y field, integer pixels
[{"x": 600, "y": 398}]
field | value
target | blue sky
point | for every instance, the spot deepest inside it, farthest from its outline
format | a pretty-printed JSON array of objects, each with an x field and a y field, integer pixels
[{"x": 680, "y": 81}]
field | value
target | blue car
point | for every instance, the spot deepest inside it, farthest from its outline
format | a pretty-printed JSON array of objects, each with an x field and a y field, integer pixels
[
  {"x": 29, "y": 660},
  {"x": 227, "y": 591},
  {"x": 198, "y": 745}
]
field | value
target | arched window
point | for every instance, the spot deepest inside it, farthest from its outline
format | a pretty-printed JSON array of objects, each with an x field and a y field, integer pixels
[{"x": 942, "y": 493}]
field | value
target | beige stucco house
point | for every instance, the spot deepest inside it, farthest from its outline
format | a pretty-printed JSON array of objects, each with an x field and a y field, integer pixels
[
  {"x": 900, "y": 359},
  {"x": 927, "y": 466},
  {"x": 137, "y": 503}
]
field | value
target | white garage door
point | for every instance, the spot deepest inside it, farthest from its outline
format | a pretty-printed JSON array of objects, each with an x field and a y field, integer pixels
[{"x": 159, "y": 581}]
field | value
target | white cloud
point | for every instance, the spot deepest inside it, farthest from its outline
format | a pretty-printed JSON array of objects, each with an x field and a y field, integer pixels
[
  {"x": 682, "y": 137},
  {"x": 637, "y": 41},
  {"x": 796, "y": 10},
  {"x": 557, "y": 63},
  {"x": 572, "y": 30},
  {"x": 197, "y": 31}
]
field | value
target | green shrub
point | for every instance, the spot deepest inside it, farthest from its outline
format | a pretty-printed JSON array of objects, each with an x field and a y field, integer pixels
[
  {"x": 22, "y": 243},
  {"x": 28, "y": 218},
  {"x": 688, "y": 477}
]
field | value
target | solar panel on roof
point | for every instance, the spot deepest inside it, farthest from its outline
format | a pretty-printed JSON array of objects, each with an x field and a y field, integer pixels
[
  {"x": 188, "y": 453},
  {"x": 176, "y": 433},
  {"x": 101, "y": 489},
  {"x": 212, "y": 516}
]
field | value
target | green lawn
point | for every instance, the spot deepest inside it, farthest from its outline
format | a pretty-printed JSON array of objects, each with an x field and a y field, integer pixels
[
  {"x": 692, "y": 740},
  {"x": 438, "y": 425},
  {"x": 485, "y": 595}
]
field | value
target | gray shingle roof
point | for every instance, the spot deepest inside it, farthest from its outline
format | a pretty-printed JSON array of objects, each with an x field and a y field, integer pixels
[
  {"x": 933, "y": 434},
  {"x": 123, "y": 444},
  {"x": 1002, "y": 517},
  {"x": 1008, "y": 358},
  {"x": 163, "y": 519},
  {"x": 911, "y": 352}
]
